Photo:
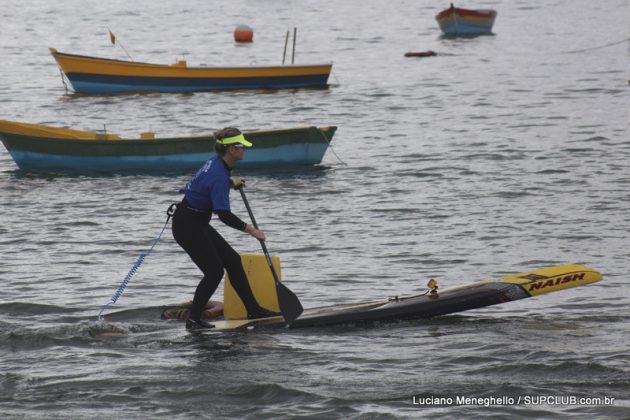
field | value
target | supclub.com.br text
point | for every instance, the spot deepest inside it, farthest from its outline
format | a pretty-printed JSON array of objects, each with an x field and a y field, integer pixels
[{"x": 512, "y": 400}]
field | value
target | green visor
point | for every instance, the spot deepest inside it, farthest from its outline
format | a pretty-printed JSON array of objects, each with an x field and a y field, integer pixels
[{"x": 240, "y": 139}]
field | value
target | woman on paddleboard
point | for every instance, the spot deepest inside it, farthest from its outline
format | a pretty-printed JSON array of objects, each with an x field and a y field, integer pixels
[{"x": 209, "y": 192}]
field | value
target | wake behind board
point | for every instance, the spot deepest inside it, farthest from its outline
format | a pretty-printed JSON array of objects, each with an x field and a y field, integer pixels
[{"x": 433, "y": 303}]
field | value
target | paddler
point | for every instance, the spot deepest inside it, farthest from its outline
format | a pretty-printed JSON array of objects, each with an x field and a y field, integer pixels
[{"x": 209, "y": 192}]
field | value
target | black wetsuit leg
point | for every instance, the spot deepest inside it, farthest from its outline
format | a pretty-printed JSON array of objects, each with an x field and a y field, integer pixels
[
  {"x": 234, "y": 266},
  {"x": 211, "y": 253},
  {"x": 191, "y": 231}
]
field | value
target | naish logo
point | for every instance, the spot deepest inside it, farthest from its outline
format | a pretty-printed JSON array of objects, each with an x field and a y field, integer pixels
[{"x": 542, "y": 284}]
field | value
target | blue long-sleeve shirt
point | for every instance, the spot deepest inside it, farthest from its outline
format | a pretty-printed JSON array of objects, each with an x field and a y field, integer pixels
[{"x": 209, "y": 190}]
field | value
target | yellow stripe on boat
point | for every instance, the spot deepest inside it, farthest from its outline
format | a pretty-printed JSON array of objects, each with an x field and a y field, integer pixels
[{"x": 37, "y": 130}]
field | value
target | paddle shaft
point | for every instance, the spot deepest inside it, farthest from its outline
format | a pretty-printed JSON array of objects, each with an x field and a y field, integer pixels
[
  {"x": 262, "y": 243},
  {"x": 289, "y": 303}
]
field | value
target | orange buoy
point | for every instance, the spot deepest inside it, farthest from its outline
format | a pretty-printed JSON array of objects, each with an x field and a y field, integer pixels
[{"x": 243, "y": 33}]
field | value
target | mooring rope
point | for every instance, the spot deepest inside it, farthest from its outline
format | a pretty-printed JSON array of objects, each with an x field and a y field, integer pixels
[
  {"x": 601, "y": 46},
  {"x": 330, "y": 147},
  {"x": 119, "y": 291},
  {"x": 63, "y": 80}
]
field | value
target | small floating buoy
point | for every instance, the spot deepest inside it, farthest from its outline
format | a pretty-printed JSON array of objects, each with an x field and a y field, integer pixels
[
  {"x": 243, "y": 33},
  {"x": 421, "y": 54}
]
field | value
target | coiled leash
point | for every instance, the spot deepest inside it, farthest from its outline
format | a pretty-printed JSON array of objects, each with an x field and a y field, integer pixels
[{"x": 169, "y": 213}]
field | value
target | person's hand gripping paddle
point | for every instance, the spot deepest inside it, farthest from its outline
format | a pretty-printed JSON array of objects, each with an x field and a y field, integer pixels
[{"x": 290, "y": 305}]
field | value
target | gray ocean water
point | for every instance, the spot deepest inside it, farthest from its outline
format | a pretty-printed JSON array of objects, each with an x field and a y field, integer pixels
[{"x": 501, "y": 154}]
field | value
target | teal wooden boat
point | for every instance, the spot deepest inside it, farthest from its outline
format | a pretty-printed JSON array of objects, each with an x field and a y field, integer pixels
[{"x": 40, "y": 148}]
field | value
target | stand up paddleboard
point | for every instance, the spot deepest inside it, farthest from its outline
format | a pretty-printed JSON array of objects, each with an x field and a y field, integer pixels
[{"x": 432, "y": 303}]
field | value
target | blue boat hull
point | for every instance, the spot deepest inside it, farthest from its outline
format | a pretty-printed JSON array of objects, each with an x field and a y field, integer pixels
[
  {"x": 286, "y": 155},
  {"x": 465, "y": 28},
  {"x": 90, "y": 83}
]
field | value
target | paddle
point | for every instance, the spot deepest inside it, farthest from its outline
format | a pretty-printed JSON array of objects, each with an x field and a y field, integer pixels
[{"x": 290, "y": 305}]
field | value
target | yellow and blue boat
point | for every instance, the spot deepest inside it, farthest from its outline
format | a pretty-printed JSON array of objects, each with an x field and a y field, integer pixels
[
  {"x": 94, "y": 75},
  {"x": 41, "y": 148},
  {"x": 457, "y": 21}
]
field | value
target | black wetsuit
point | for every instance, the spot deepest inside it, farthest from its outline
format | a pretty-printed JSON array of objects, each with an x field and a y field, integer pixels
[{"x": 205, "y": 246}]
